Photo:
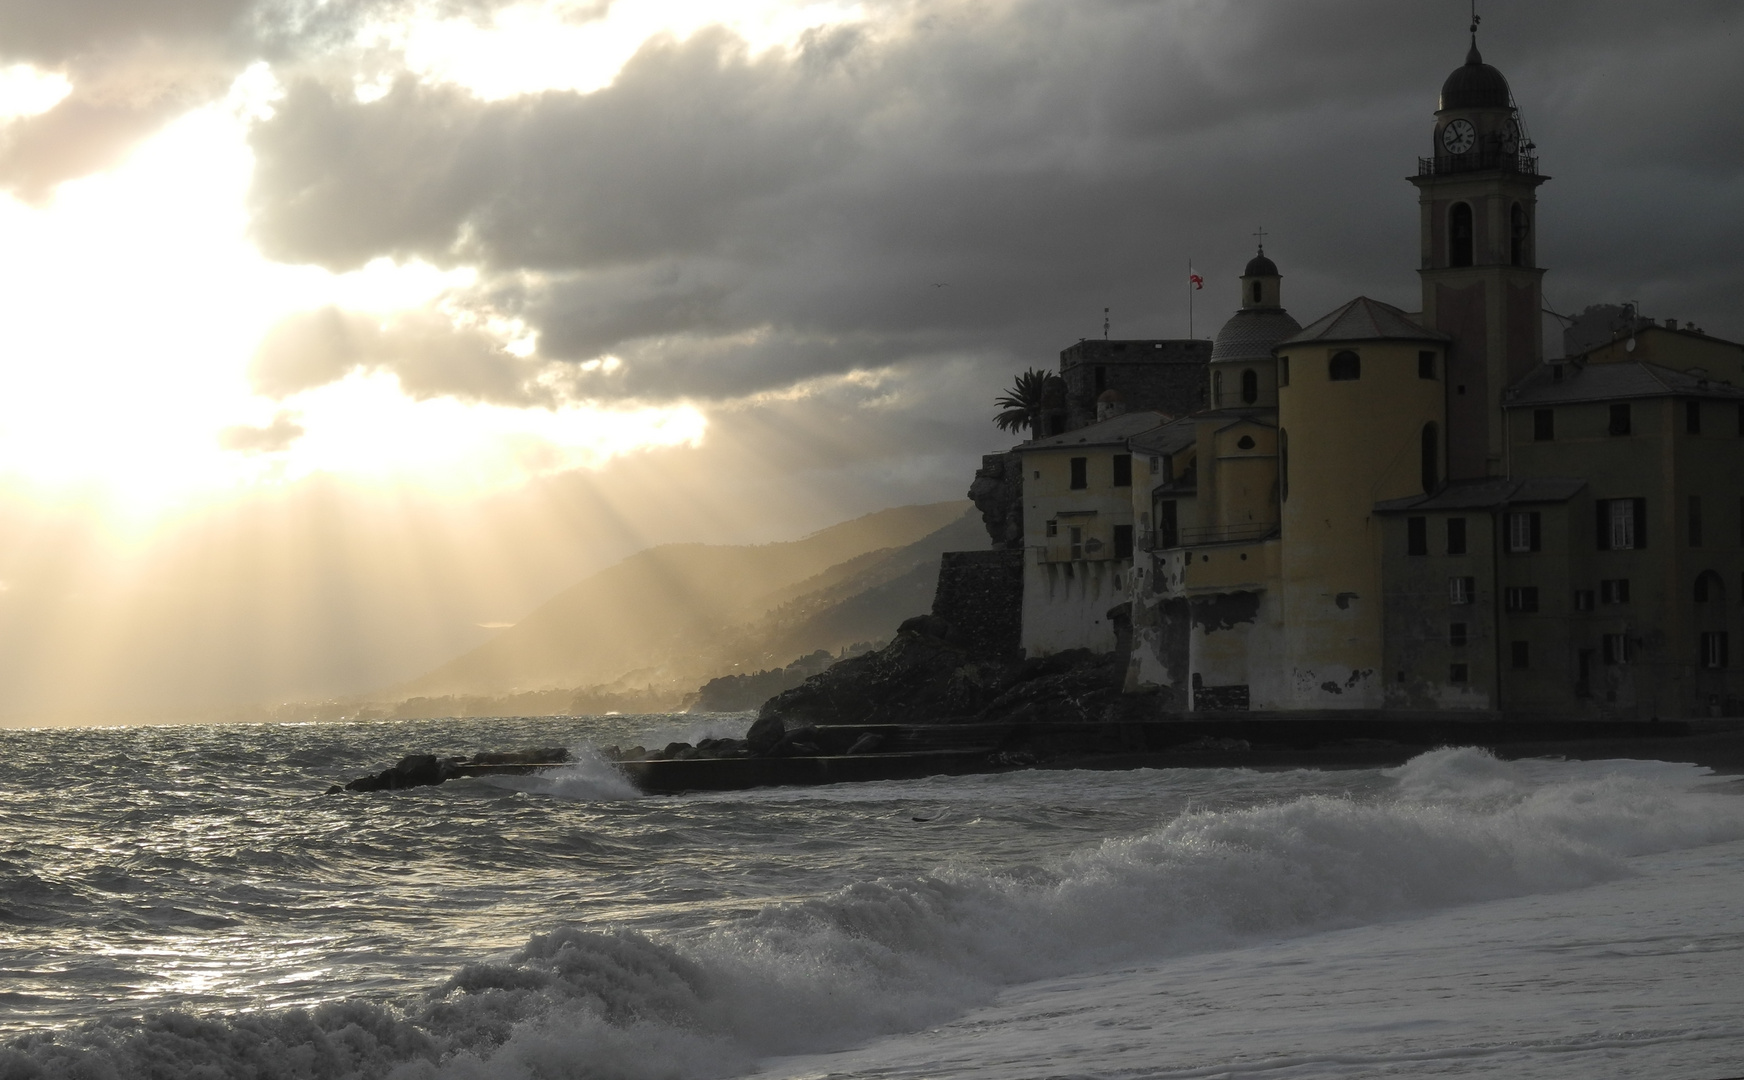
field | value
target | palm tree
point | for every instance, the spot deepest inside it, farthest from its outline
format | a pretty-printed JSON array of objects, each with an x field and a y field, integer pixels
[{"x": 1024, "y": 402}]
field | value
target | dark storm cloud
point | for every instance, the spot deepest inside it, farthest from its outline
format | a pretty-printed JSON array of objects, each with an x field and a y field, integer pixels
[
  {"x": 429, "y": 355},
  {"x": 989, "y": 178}
]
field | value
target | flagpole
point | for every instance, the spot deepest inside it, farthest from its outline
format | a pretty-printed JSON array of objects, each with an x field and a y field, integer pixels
[{"x": 1189, "y": 298}]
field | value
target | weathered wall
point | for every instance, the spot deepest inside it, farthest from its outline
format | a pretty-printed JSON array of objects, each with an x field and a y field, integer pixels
[
  {"x": 980, "y": 593},
  {"x": 997, "y": 491},
  {"x": 1165, "y": 376},
  {"x": 1066, "y": 604}
]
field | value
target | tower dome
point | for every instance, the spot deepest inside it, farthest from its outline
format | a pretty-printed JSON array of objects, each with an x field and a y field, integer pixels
[
  {"x": 1475, "y": 85},
  {"x": 1260, "y": 266}
]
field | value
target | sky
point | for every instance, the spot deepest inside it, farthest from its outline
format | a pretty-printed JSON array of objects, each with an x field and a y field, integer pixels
[{"x": 335, "y": 334}]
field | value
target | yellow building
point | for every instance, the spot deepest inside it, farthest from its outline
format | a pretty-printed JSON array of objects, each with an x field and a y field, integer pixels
[{"x": 1413, "y": 512}]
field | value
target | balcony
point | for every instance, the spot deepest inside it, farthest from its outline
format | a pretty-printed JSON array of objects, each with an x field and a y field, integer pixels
[
  {"x": 1242, "y": 533},
  {"x": 1478, "y": 161}
]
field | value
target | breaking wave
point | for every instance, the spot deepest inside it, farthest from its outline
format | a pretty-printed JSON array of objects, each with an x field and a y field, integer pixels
[{"x": 889, "y": 955}]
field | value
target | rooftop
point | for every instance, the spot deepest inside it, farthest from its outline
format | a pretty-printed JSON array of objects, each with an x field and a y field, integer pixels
[
  {"x": 1116, "y": 430},
  {"x": 1364, "y": 320},
  {"x": 1488, "y": 494},
  {"x": 1621, "y": 380}
]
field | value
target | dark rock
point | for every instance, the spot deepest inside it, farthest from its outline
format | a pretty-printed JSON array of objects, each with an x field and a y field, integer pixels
[
  {"x": 926, "y": 626},
  {"x": 551, "y": 755},
  {"x": 413, "y": 770},
  {"x": 867, "y": 743},
  {"x": 764, "y": 734},
  {"x": 997, "y": 492}
]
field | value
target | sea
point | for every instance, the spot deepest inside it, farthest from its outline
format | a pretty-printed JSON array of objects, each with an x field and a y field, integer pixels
[{"x": 188, "y": 902}]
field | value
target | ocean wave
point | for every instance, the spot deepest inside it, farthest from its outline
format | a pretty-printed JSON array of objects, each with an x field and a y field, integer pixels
[{"x": 889, "y": 955}]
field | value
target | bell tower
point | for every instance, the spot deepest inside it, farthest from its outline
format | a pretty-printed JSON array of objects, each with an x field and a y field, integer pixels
[{"x": 1478, "y": 195}]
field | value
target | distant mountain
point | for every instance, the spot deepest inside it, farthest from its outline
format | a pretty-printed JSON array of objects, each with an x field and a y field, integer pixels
[{"x": 692, "y": 611}]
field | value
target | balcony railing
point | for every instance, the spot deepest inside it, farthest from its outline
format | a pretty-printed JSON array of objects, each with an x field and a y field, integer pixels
[
  {"x": 1478, "y": 161},
  {"x": 1215, "y": 534}
]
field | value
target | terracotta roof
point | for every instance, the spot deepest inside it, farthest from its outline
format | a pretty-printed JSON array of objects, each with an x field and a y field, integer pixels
[
  {"x": 1616, "y": 381},
  {"x": 1364, "y": 320},
  {"x": 1488, "y": 494},
  {"x": 1113, "y": 431}
]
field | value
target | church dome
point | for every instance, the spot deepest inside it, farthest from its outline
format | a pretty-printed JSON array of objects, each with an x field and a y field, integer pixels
[
  {"x": 1260, "y": 266},
  {"x": 1476, "y": 85},
  {"x": 1250, "y": 334}
]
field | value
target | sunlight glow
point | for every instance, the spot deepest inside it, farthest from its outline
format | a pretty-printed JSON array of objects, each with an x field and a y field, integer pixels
[{"x": 26, "y": 91}]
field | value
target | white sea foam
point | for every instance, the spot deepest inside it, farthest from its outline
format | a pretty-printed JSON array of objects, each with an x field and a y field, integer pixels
[
  {"x": 892, "y": 955},
  {"x": 590, "y": 778}
]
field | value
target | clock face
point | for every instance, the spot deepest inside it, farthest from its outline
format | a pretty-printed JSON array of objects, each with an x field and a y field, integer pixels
[
  {"x": 1458, "y": 137},
  {"x": 1511, "y": 137}
]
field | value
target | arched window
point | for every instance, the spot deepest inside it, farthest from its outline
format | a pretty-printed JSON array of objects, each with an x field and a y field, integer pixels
[
  {"x": 1216, "y": 389},
  {"x": 1709, "y": 588},
  {"x": 1256, "y": 292},
  {"x": 1344, "y": 366},
  {"x": 1459, "y": 235},
  {"x": 1250, "y": 386},
  {"x": 1283, "y": 465},
  {"x": 1517, "y": 235},
  {"x": 1431, "y": 451}
]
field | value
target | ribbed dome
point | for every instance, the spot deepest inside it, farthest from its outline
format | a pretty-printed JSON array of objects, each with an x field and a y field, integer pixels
[
  {"x": 1476, "y": 85},
  {"x": 1251, "y": 332},
  {"x": 1260, "y": 266}
]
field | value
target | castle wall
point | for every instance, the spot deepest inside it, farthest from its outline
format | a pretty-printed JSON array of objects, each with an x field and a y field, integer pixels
[{"x": 980, "y": 593}]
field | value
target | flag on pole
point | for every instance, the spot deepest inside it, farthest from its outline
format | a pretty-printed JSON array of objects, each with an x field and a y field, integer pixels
[{"x": 1195, "y": 280}]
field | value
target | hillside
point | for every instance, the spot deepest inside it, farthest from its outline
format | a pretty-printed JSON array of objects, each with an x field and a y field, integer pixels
[{"x": 678, "y": 611}]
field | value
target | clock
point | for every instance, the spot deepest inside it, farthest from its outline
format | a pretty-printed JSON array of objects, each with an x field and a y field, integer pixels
[
  {"x": 1511, "y": 137},
  {"x": 1458, "y": 137}
]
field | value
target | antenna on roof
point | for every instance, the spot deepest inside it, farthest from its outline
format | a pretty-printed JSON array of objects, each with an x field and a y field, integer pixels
[{"x": 1104, "y": 324}]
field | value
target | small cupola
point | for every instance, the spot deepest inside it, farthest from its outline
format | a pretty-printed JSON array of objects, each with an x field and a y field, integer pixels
[{"x": 1261, "y": 283}]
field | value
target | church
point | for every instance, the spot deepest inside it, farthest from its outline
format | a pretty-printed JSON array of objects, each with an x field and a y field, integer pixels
[{"x": 1393, "y": 512}]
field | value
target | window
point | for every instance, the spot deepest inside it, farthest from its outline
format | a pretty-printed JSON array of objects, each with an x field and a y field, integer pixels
[
  {"x": 1459, "y": 228},
  {"x": 1101, "y": 378},
  {"x": 1692, "y": 417},
  {"x": 1695, "y": 521},
  {"x": 1458, "y": 673},
  {"x": 1416, "y": 536},
  {"x": 1460, "y": 590},
  {"x": 1077, "y": 532},
  {"x": 1517, "y": 230},
  {"x": 1123, "y": 541},
  {"x": 1617, "y": 649},
  {"x": 1622, "y": 524},
  {"x": 1080, "y": 473},
  {"x": 1250, "y": 386},
  {"x": 1168, "y": 529},
  {"x": 1284, "y": 465},
  {"x": 1216, "y": 389},
  {"x": 1053, "y": 527},
  {"x": 1583, "y": 599},
  {"x": 1426, "y": 364},
  {"x": 1741, "y": 519},
  {"x": 1456, "y": 536},
  {"x": 1344, "y": 366},
  {"x": 1456, "y": 634},
  {"x": 1741, "y": 419},
  {"x": 1520, "y": 653},
  {"x": 1614, "y": 591},
  {"x": 1123, "y": 470},
  {"x": 1284, "y": 380},
  {"x": 1521, "y": 598},
  {"x": 1256, "y": 292},
  {"x": 1524, "y": 532},
  {"x": 1709, "y": 589},
  {"x": 1429, "y": 459},
  {"x": 1543, "y": 425},
  {"x": 1620, "y": 420},
  {"x": 1714, "y": 649}
]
